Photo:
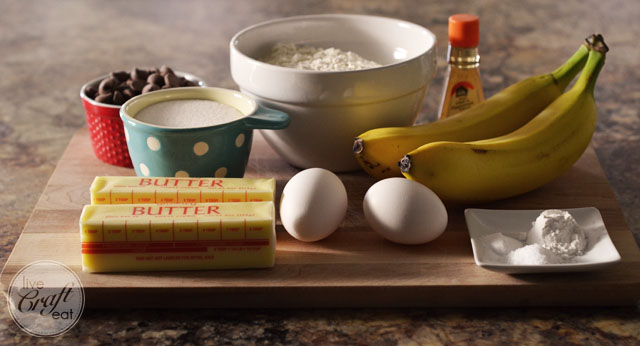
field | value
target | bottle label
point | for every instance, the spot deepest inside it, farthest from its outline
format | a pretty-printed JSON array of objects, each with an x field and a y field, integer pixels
[
  {"x": 462, "y": 96},
  {"x": 463, "y": 90}
]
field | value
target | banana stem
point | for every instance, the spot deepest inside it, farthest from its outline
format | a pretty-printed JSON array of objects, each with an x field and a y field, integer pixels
[
  {"x": 405, "y": 164},
  {"x": 358, "y": 145},
  {"x": 565, "y": 73},
  {"x": 593, "y": 66},
  {"x": 596, "y": 42}
]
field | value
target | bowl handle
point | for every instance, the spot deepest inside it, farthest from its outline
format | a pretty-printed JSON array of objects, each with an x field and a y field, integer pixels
[{"x": 267, "y": 118}]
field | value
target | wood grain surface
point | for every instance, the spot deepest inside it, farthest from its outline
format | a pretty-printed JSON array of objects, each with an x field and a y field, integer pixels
[{"x": 352, "y": 268}]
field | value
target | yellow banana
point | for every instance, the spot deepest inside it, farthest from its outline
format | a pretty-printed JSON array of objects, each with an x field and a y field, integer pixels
[
  {"x": 518, "y": 162},
  {"x": 379, "y": 150}
]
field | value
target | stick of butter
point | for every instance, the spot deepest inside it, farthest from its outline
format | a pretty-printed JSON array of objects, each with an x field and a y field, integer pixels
[
  {"x": 140, "y": 190},
  {"x": 150, "y": 237}
]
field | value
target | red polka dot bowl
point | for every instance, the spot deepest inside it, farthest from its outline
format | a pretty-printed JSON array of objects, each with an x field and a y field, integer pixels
[{"x": 105, "y": 126}]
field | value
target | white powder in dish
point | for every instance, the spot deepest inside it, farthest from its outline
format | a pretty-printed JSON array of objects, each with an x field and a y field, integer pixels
[
  {"x": 558, "y": 232},
  {"x": 554, "y": 238},
  {"x": 501, "y": 244},
  {"x": 316, "y": 59},
  {"x": 533, "y": 255},
  {"x": 188, "y": 113}
]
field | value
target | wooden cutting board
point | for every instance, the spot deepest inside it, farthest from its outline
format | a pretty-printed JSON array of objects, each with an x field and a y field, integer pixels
[{"x": 352, "y": 268}]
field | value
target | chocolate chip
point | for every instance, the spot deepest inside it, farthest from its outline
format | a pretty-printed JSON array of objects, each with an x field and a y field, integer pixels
[
  {"x": 171, "y": 81},
  {"x": 91, "y": 91},
  {"x": 155, "y": 79},
  {"x": 118, "y": 98},
  {"x": 107, "y": 85},
  {"x": 105, "y": 98},
  {"x": 122, "y": 86},
  {"x": 121, "y": 76},
  {"x": 130, "y": 84},
  {"x": 149, "y": 88},
  {"x": 128, "y": 93},
  {"x": 139, "y": 74},
  {"x": 164, "y": 70},
  {"x": 136, "y": 84}
]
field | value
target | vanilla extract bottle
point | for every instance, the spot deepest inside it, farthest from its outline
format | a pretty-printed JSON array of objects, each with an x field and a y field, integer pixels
[{"x": 462, "y": 87}]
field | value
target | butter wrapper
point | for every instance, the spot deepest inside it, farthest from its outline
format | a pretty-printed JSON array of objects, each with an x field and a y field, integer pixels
[
  {"x": 141, "y": 190},
  {"x": 153, "y": 237}
]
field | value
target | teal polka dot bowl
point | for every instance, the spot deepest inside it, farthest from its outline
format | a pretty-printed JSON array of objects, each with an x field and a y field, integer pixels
[{"x": 221, "y": 150}]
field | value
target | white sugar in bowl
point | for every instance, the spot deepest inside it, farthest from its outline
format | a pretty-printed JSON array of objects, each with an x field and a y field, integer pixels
[{"x": 203, "y": 143}]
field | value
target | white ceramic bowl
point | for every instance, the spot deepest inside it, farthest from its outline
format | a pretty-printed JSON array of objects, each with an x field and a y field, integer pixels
[
  {"x": 329, "y": 109},
  {"x": 600, "y": 252}
]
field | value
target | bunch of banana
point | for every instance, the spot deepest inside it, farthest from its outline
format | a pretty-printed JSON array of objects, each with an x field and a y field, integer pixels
[
  {"x": 379, "y": 150},
  {"x": 505, "y": 166}
]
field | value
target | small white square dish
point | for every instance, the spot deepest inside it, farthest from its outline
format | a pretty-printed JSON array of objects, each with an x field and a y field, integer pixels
[{"x": 600, "y": 251}]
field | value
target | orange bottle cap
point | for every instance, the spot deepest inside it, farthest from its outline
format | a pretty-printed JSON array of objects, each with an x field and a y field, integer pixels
[{"x": 464, "y": 30}]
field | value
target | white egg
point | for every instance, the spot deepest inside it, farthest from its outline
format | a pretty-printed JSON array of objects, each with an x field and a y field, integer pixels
[
  {"x": 313, "y": 204},
  {"x": 404, "y": 211}
]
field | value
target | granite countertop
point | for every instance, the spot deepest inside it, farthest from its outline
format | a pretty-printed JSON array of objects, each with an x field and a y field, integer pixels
[{"x": 50, "y": 49}]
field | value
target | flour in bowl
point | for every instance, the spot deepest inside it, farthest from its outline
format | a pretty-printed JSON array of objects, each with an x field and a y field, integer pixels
[
  {"x": 316, "y": 59},
  {"x": 188, "y": 113}
]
